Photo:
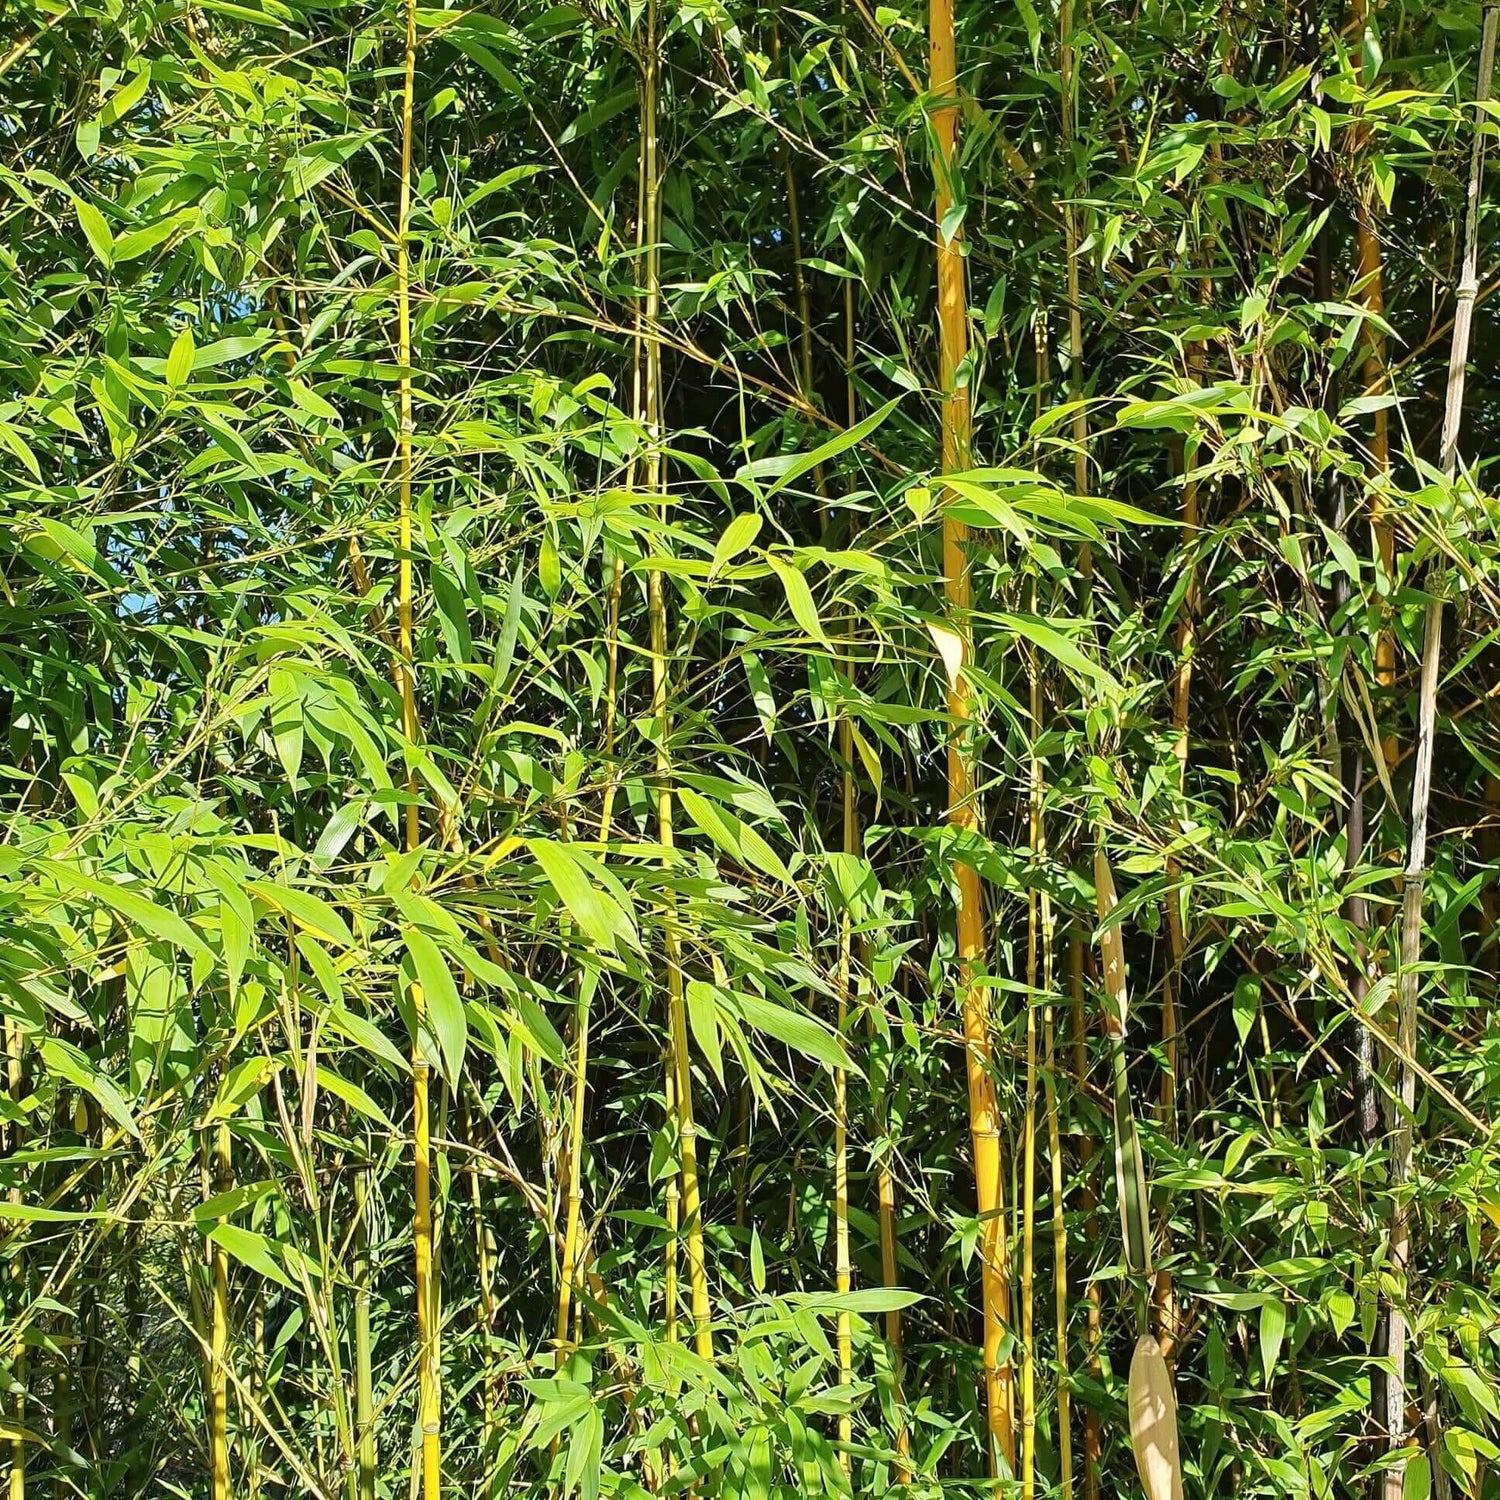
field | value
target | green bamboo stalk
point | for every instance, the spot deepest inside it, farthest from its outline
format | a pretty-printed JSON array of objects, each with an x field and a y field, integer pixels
[{"x": 428, "y": 1333}]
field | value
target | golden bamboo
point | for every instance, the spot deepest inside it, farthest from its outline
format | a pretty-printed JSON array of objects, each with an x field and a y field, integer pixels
[
  {"x": 956, "y": 445},
  {"x": 680, "y": 1092},
  {"x": 218, "y": 1352}
]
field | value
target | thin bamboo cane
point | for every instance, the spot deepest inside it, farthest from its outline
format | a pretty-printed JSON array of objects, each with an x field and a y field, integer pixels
[
  {"x": 842, "y": 1269},
  {"x": 218, "y": 1353},
  {"x": 885, "y": 1177},
  {"x": 1371, "y": 293},
  {"x": 484, "y": 1255},
  {"x": 1092, "y": 1436},
  {"x": 1130, "y": 1170},
  {"x": 429, "y": 1353},
  {"x": 570, "y": 1280},
  {"x": 569, "y": 1271},
  {"x": 64, "y": 1396},
  {"x": 17, "y": 1482},
  {"x": 843, "y": 1272},
  {"x": 568, "y": 1275},
  {"x": 1372, "y": 296},
  {"x": 1059, "y": 1222},
  {"x": 364, "y": 1398},
  {"x": 962, "y": 813},
  {"x": 1416, "y": 859},
  {"x": 680, "y": 1063},
  {"x": 794, "y": 229},
  {"x": 1028, "y": 1147},
  {"x": 1068, "y": 87},
  {"x": 1152, "y": 1402},
  {"x": 673, "y": 1210}
]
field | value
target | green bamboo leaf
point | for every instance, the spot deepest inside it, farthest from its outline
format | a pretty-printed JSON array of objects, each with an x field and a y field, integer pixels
[
  {"x": 851, "y": 437},
  {"x": 135, "y": 908},
  {"x": 126, "y": 97},
  {"x": 738, "y": 535},
  {"x": 704, "y": 1024},
  {"x": 796, "y": 1029},
  {"x": 96, "y": 232},
  {"x": 866, "y": 1301},
  {"x": 737, "y": 839},
  {"x": 799, "y": 598},
  {"x": 1272, "y": 1329},
  {"x": 74, "y": 1065},
  {"x": 179, "y": 366},
  {"x": 254, "y": 1250},
  {"x": 1058, "y": 646},
  {"x": 444, "y": 1008},
  {"x": 240, "y": 1085},
  {"x": 352, "y": 1095},
  {"x": 309, "y": 912},
  {"x": 576, "y": 879}
]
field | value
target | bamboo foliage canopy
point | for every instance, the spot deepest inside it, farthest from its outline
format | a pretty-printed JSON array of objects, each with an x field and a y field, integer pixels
[{"x": 737, "y": 739}]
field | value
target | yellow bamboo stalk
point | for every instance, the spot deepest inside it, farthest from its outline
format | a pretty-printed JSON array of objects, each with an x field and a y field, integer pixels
[
  {"x": 429, "y": 1354},
  {"x": 218, "y": 1352},
  {"x": 17, "y": 1482},
  {"x": 428, "y": 1393},
  {"x": 1092, "y": 1440},
  {"x": 570, "y": 1280},
  {"x": 956, "y": 446},
  {"x": 568, "y": 1276},
  {"x": 364, "y": 1402},
  {"x": 885, "y": 1177},
  {"x": 1059, "y": 1223},
  {"x": 680, "y": 1063},
  {"x": 843, "y": 1273}
]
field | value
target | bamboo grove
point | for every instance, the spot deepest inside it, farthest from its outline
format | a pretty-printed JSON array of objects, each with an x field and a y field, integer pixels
[{"x": 748, "y": 751}]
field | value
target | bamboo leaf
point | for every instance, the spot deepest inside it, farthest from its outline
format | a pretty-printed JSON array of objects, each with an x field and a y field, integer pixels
[
  {"x": 799, "y": 599},
  {"x": 74, "y": 1065},
  {"x": 738, "y": 535},
  {"x": 444, "y": 1008},
  {"x": 796, "y": 1029},
  {"x": 307, "y": 911},
  {"x": 253, "y": 1250}
]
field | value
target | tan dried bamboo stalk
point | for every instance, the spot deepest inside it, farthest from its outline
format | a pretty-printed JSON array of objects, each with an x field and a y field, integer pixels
[
  {"x": 1371, "y": 293},
  {"x": 1403, "y": 1142},
  {"x": 1152, "y": 1402},
  {"x": 962, "y": 814}
]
